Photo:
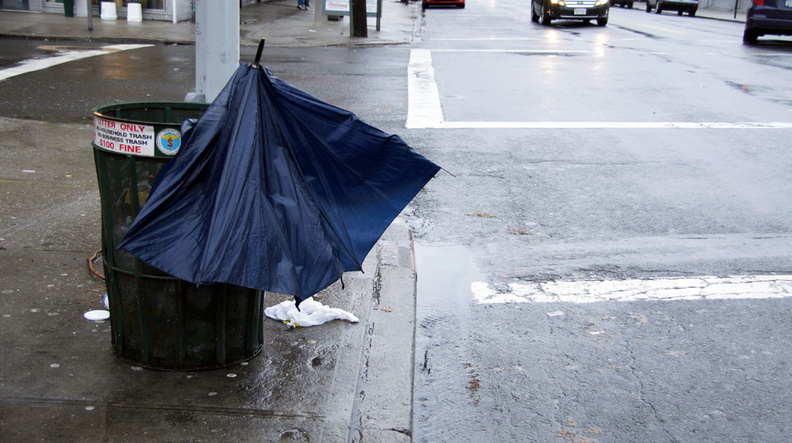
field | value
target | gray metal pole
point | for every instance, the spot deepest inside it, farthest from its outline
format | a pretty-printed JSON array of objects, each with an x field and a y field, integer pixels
[
  {"x": 358, "y": 18},
  {"x": 379, "y": 13},
  {"x": 216, "y": 47}
]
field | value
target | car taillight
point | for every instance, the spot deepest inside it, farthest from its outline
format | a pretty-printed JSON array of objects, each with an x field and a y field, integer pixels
[{"x": 759, "y": 2}]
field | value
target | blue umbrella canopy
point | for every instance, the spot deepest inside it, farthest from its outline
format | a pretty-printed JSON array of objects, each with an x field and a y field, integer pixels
[{"x": 274, "y": 189}]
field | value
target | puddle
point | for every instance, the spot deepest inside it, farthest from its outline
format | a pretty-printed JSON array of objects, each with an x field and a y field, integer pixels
[
  {"x": 446, "y": 334},
  {"x": 445, "y": 277}
]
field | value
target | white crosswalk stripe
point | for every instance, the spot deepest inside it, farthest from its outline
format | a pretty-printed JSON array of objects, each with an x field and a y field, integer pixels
[
  {"x": 660, "y": 289},
  {"x": 38, "y": 64}
]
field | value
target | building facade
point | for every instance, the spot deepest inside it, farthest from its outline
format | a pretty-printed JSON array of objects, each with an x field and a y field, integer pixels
[{"x": 152, "y": 9}]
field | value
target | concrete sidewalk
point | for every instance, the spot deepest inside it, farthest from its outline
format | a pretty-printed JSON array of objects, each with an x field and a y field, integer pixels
[
  {"x": 59, "y": 380},
  {"x": 277, "y": 21}
]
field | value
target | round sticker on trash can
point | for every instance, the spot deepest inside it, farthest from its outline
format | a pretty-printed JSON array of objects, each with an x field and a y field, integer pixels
[{"x": 169, "y": 141}]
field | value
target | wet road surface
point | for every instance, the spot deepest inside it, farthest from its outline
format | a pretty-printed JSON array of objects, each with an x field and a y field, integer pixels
[{"x": 581, "y": 159}]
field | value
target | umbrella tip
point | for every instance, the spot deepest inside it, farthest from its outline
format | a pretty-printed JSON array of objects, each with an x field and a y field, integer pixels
[{"x": 258, "y": 54}]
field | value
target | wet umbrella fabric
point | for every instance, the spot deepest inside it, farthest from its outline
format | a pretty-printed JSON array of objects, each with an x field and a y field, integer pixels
[{"x": 274, "y": 189}]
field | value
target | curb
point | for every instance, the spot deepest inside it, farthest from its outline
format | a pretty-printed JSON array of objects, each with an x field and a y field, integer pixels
[{"x": 384, "y": 393}]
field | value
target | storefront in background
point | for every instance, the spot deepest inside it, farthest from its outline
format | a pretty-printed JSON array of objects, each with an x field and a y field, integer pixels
[
  {"x": 21, "y": 5},
  {"x": 152, "y": 9}
]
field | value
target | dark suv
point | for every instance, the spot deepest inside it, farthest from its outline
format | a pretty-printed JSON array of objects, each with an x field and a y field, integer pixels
[
  {"x": 586, "y": 10},
  {"x": 767, "y": 17}
]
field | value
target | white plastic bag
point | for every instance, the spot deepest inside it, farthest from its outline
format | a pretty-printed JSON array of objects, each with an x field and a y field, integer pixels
[{"x": 310, "y": 313}]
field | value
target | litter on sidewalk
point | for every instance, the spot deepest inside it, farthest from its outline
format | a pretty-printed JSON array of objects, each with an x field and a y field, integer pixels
[{"x": 310, "y": 313}]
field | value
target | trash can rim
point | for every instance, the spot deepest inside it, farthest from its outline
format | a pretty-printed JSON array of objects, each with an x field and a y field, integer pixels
[{"x": 99, "y": 110}]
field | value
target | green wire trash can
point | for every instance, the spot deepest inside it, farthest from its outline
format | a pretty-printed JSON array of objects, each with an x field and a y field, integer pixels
[
  {"x": 157, "y": 320},
  {"x": 68, "y": 8}
]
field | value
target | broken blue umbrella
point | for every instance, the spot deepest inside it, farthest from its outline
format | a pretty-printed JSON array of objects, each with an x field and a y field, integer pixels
[{"x": 274, "y": 189}]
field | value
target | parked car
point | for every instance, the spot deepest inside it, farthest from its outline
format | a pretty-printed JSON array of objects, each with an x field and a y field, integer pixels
[
  {"x": 586, "y": 10},
  {"x": 622, "y": 3},
  {"x": 767, "y": 17},
  {"x": 680, "y": 6},
  {"x": 427, "y": 3}
]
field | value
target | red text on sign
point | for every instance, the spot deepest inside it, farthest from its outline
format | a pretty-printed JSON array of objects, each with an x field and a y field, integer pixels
[
  {"x": 105, "y": 123},
  {"x": 132, "y": 128},
  {"x": 129, "y": 148}
]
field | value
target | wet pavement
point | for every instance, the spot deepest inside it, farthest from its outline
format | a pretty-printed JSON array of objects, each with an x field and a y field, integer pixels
[
  {"x": 60, "y": 381},
  {"x": 277, "y": 21}
]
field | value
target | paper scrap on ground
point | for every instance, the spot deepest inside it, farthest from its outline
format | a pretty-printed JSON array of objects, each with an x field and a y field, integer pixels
[
  {"x": 97, "y": 315},
  {"x": 311, "y": 313}
]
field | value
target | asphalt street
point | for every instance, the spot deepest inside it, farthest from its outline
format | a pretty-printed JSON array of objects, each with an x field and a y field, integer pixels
[
  {"x": 610, "y": 259},
  {"x": 520, "y": 253}
]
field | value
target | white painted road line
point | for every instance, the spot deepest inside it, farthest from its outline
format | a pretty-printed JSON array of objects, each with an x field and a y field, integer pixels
[
  {"x": 425, "y": 109},
  {"x": 479, "y": 39},
  {"x": 516, "y": 51},
  {"x": 65, "y": 57},
  {"x": 661, "y": 289},
  {"x": 609, "y": 125},
  {"x": 424, "y": 98}
]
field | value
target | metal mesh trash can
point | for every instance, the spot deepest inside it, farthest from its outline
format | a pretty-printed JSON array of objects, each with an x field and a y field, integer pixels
[
  {"x": 159, "y": 321},
  {"x": 68, "y": 8}
]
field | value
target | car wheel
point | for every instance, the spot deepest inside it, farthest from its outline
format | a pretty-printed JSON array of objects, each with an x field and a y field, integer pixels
[
  {"x": 602, "y": 21},
  {"x": 546, "y": 19},
  {"x": 679, "y": 13},
  {"x": 534, "y": 15},
  {"x": 659, "y": 8},
  {"x": 648, "y": 7},
  {"x": 630, "y": 5},
  {"x": 750, "y": 36},
  {"x": 692, "y": 13}
]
